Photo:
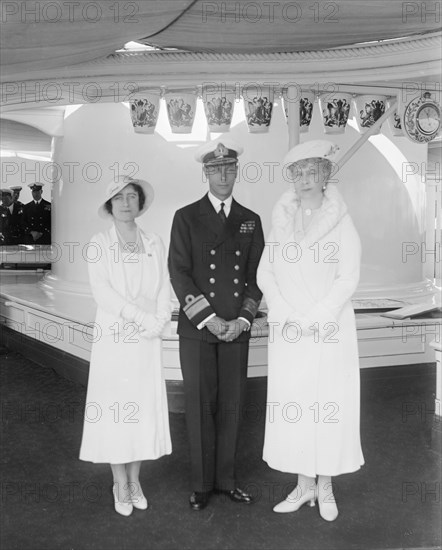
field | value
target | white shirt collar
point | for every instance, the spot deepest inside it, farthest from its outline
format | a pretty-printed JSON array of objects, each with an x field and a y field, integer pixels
[
  {"x": 216, "y": 203},
  {"x": 11, "y": 207},
  {"x": 37, "y": 202}
]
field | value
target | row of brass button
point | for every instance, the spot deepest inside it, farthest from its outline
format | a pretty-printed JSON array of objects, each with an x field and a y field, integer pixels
[
  {"x": 235, "y": 267},
  {"x": 212, "y": 281},
  {"x": 237, "y": 252},
  {"x": 212, "y": 294}
]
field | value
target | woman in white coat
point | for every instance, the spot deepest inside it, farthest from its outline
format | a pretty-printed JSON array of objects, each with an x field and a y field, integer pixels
[
  {"x": 308, "y": 273},
  {"x": 126, "y": 416}
]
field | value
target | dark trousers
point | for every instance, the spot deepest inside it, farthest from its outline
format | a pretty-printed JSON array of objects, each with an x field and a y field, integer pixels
[{"x": 215, "y": 378}]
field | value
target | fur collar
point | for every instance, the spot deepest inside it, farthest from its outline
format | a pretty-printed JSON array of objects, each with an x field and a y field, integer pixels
[{"x": 287, "y": 209}]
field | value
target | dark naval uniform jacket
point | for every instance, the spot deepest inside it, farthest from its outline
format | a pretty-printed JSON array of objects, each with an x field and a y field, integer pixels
[
  {"x": 16, "y": 223},
  {"x": 37, "y": 217},
  {"x": 11, "y": 226},
  {"x": 213, "y": 266},
  {"x": 5, "y": 222},
  {"x": 213, "y": 271}
]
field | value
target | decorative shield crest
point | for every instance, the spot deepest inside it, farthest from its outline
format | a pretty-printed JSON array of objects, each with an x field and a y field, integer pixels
[
  {"x": 335, "y": 109},
  {"x": 218, "y": 106},
  {"x": 181, "y": 107},
  {"x": 144, "y": 109},
  {"x": 369, "y": 109},
  {"x": 258, "y": 105},
  {"x": 306, "y": 102}
]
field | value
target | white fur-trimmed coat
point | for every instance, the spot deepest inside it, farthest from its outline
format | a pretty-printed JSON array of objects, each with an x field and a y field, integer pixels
[{"x": 308, "y": 278}]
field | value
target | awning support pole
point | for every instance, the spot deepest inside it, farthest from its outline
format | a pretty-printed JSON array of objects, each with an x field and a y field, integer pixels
[
  {"x": 365, "y": 136},
  {"x": 293, "y": 122}
]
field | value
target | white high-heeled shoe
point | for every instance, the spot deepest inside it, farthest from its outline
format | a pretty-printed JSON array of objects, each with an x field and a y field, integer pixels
[
  {"x": 327, "y": 506},
  {"x": 123, "y": 508},
  {"x": 139, "y": 502},
  {"x": 295, "y": 500}
]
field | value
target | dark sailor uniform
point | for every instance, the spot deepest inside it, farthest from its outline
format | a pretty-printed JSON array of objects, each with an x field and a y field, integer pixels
[
  {"x": 37, "y": 217},
  {"x": 16, "y": 223},
  {"x": 11, "y": 227},
  {"x": 213, "y": 271},
  {"x": 5, "y": 222}
]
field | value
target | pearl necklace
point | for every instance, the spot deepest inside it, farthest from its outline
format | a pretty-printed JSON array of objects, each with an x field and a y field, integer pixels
[
  {"x": 132, "y": 254},
  {"x": 130, "y": 247}
]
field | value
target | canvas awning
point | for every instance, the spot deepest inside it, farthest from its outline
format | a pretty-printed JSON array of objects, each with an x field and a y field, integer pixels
[{"x": 38, "y": 35}]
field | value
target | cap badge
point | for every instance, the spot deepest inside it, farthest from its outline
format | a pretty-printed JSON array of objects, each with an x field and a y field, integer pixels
[{"x": 221, "y": 151}]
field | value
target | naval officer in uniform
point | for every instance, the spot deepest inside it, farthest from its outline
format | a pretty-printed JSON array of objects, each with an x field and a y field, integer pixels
[
  {"x": 12, "y": 215},
  {"x": 37, "y": 217},
  {"x": 16, "y": 190},
  {"x": 5, "y": 216},
  {"x": 215, "y": 248}
]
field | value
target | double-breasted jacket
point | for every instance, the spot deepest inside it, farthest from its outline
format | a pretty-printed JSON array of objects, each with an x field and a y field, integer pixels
[
  {"x": 37, "y": 217},
  {"x": 213, "y": 266}
]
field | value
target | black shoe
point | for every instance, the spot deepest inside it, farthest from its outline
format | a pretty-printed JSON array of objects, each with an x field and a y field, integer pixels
[
  {"x": 237, "y": 495},
  {"x": 198, "y": 501}
]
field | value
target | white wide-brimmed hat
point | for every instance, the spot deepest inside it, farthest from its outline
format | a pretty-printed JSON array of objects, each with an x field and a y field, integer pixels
[
  {"x": 218, "y": 151},
  {"x": 119, "y": 183},
  {"x": 317, "y": 148}
]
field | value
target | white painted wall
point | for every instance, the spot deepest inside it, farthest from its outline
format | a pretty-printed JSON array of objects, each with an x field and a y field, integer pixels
[{"x": 386, "y": 210}]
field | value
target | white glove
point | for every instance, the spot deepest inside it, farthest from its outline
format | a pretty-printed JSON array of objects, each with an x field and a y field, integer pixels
[
  {"x": 162, "y": 319},
  {"x": 302, "y": 322},
  {"x": 149, "y": 325},
  {"x": 148, "y": 322},
  {"x": 319, "y": 322},
  {"x": 130, "y": 312}
]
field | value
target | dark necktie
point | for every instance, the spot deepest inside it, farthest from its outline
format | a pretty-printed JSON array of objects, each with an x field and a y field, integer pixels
[{"x": 222, "y": 214}]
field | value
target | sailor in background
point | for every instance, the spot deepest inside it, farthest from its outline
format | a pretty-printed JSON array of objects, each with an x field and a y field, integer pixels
[
  {"x": 16, "y": 217},
  {"x": 37, "y": 217},
  {"x": 215, "y": 248},
  {"x": 16, "y": 190},
  {"x": 5, "y": 216}
]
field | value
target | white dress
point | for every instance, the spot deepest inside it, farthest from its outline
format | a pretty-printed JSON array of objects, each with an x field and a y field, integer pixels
[
  {"x": 313, "y": 398},
  {"x": 126, "y": 413}
]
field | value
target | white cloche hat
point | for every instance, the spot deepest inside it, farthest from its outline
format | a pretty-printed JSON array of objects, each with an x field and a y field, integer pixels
[
  {"x": 119, "y": 183},
  {"x": 317, "y": 148}
]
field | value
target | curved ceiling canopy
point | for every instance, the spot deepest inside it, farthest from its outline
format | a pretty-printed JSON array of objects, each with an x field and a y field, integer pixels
[
  {"x": 37, "y": 35},
  {"x": 46, "y": 34},
  {"x": 267, "y": 26},
  {"x": 16, "y": 136}
]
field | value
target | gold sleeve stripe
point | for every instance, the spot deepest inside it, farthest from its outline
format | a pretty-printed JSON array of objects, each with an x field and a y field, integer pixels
[
  {"x": 250, "y": 305},
  {"x": 194, "y": 307}
]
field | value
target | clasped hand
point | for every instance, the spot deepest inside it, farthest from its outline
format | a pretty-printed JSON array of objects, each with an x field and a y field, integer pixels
[
  {"x": 226, "y": 331},
  {"x": 152, "y": 325}
]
